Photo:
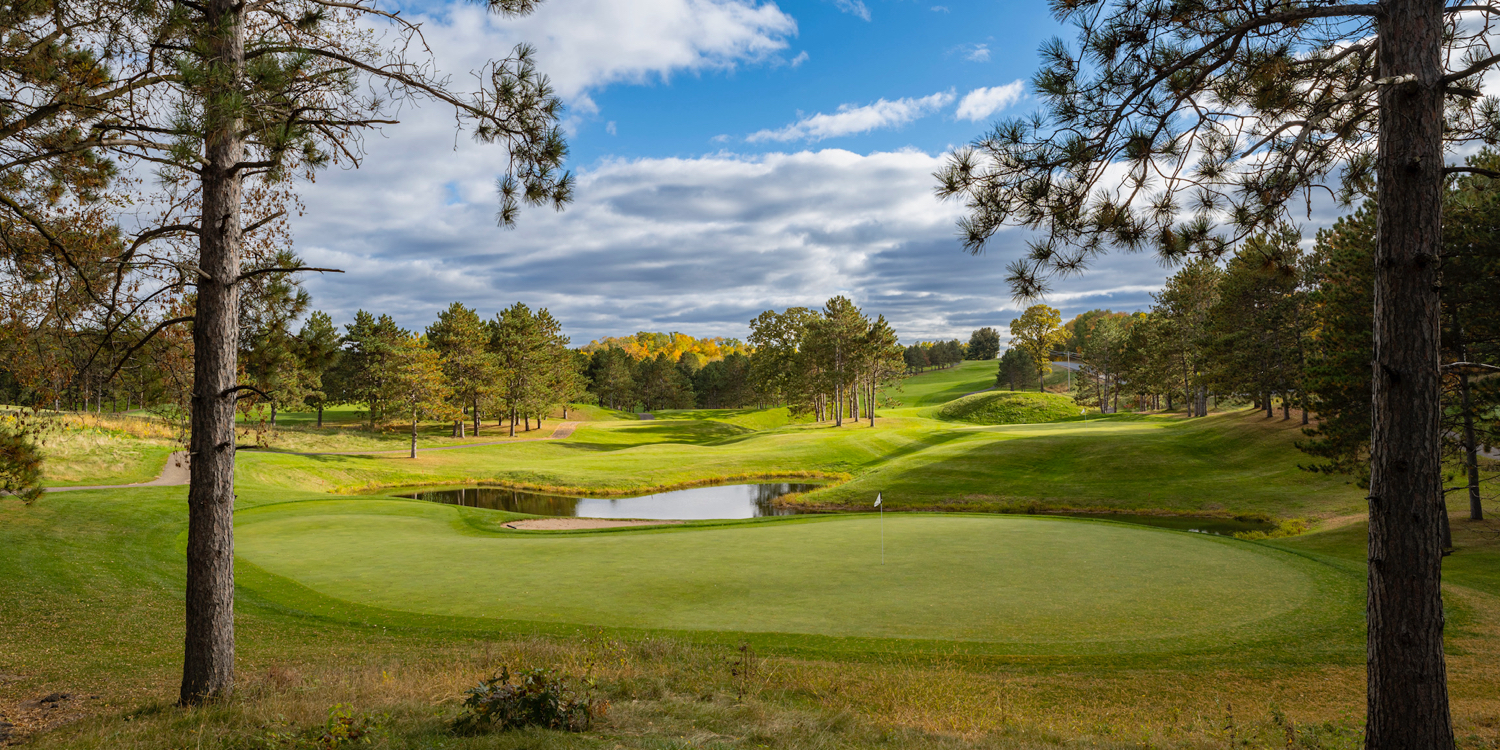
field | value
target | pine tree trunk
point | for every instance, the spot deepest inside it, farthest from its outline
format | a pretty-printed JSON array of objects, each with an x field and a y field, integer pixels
[
  {"x": 1407, "y": 691},
  {"x": 320, "y": 414},
  {"x": 512, "y": 420},
  {"x": 208, "y": 643},
  {"x": 476, "y": 416},
  {"x": 273, "y": 415},
  {"x": 1471, "y": 449}
]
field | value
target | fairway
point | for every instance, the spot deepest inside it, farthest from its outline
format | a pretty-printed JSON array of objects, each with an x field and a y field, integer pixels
[{"x": 1034, "y": 585}]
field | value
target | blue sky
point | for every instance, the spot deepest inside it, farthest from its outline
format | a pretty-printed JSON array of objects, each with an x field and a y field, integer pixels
[{"x": 733, "y": 156}]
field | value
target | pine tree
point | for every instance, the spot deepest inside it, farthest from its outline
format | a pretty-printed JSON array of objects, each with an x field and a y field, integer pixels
[
  {"x": 984, "y": 344},
  {"x": 413, "y": 384},
  {"x": 318, "y": 349},
  {"x": 460, "y": 338}
]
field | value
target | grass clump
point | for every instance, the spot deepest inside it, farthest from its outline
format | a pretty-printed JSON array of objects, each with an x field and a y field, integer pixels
[
  {"x": 1008, "y": 407},
  {"x": 541, "y": 698}
]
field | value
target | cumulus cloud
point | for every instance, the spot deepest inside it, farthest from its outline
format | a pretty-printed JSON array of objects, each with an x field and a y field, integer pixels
[
  {"x": 584, "y": 45},
  {"x": 977, "y": 53},
  {"x": 983, "y": 102},
  {"x": 849, "y": 119},
  {"x": 697, "y": 244}
]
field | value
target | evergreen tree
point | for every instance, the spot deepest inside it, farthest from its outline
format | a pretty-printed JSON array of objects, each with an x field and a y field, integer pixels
[
  {"x": 461, "y": 339},
  {"x": 984, "y": 344},
  {"x": 660, "y": 384},
  {"x": 412, "y": 383},
  {"x": 1185, "y": 303},
  {"x": 1016, "y": 366},
  {"x": 611, "y": 378},
  {"x": 365, "y": 365},
  {"x": 270, "y": 303},
  {"x": 318, "y": 349}
]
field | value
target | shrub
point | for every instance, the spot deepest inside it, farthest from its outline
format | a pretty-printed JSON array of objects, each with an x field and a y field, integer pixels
[{"x": 540, "y": 698}]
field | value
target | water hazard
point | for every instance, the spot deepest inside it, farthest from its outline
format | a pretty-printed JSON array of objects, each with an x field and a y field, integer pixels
[
  {"x": 740, "y": 501},
  {"x": 723, "y": 501}
]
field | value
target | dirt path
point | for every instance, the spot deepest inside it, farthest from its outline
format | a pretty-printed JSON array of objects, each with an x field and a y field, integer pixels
[
  {"x": 560, "y": 431},
  {"x": 174, "y": 474}
]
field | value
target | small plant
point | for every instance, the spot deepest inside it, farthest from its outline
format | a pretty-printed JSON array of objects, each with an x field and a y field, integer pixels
[
  {"x": 540, "y": 698},
  {"x": 743, "y": 670},
  {"x": 344, "y": 728}
]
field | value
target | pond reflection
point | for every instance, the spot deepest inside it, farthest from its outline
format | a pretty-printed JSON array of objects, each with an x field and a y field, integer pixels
[{"x": 723, "y": 501}]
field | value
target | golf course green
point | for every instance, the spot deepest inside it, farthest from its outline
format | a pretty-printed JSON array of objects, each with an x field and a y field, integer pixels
[{"x": 1025, "y": 585}]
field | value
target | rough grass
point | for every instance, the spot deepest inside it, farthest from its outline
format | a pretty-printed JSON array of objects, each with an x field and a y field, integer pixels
[
  {"x": 104, "y": 619},
  {"x": 88, "y": 449},
  {"x": 1008, "y": 407}
]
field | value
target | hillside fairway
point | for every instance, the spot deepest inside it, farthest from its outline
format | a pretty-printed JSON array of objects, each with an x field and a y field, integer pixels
[
  {"x": 1020, "y": 585},
  {"x": 1008, "y": 407},
  {"x": 941, "y": 386}
]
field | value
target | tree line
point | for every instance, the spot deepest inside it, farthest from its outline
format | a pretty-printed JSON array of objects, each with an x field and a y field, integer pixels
[{"x": 1291, "y": 330}]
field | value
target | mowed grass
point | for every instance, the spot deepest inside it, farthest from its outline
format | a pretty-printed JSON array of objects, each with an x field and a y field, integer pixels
[
  {"x": 1008, "y": 407},
  {"x": 940, "y": 386},
  {"x": 1022, "y": 585},
  {"x": 1224, "y": 464}
]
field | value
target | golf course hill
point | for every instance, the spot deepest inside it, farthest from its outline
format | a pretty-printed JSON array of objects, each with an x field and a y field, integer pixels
[{"x": 1008, "y": 407}]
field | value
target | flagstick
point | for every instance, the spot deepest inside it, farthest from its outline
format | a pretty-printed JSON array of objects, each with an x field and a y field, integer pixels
[{"x": 882, "y": 533}]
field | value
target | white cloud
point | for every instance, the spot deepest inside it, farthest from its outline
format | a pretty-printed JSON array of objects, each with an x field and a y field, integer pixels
[
  {"x": 587, "y": 44},
  {"x": 940, "y": 9},
  {"x": 983, "y": 102},
  {"x": 799, "y": 59},
  {"x": 609, "y": 127},
  {"x": 853, "y": 8},
  {"x": 697, "y": 244},
  {"x": 978, "y": 53},
  {"x": 850, "y": 119}
]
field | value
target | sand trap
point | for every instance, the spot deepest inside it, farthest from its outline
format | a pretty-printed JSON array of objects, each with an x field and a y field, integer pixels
[{"x": 568, "y": 524}]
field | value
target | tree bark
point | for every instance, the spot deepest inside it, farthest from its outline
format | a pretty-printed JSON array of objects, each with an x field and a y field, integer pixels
[
  {"x": 320, "y": 414},
  {"x": 1407, "y": 689},
  {"x": 208, "y": 644},
  {"x": 476, "y": 416},
  {"x": 414, "y": 433}
]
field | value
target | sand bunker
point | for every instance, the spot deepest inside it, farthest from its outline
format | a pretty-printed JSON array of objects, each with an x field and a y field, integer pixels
[{"x": 569, "y": 524}]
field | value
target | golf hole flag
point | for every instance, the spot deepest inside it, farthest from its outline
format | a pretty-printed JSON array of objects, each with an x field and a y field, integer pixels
[{"x": 877, "y": 499}]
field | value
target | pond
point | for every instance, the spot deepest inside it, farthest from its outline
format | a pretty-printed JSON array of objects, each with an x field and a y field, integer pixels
[
  {"x": 723, "y": 501},
  {"x": 740, "y": 501}
]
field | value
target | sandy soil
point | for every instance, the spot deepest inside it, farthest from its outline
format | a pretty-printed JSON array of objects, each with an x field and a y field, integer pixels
[{"x": 570, "y": 524}]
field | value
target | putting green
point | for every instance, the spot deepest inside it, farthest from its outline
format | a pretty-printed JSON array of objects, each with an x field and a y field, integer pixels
[{"x": 1039, "y": 585}]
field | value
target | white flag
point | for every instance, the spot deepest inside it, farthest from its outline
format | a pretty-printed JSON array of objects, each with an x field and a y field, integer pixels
[{"x": 877, "y": 499}]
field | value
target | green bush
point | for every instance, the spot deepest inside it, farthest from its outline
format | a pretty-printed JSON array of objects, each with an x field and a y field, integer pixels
[
  {"x": 1009, "y": 407},
  {"x": 541, "y": 698}
]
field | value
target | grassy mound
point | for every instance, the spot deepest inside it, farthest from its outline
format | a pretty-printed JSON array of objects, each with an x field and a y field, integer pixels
[{"x": 1009, "y": 407}]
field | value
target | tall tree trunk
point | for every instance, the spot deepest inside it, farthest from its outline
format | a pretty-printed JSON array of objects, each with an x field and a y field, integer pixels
[
  {"x": 273, "y": 415},
  {"x": 208, "y": 643},
  {"x": 320, "y": 414},
  {"x": 1408, "y": 687},
  {"x": 1286, "y": 406},
  {"x": 838, "y": 404},
  {"x": 476, "y": 416},
  {"x": 1471, "y": 448},
  {"x": 413, "y": 433},
  {"x": 512, "y": 419}
]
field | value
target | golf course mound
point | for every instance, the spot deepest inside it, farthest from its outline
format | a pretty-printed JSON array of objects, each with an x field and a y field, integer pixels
[
  {"x": 1006, "y": 583},
  {"x": 1008, "y": 407}
]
